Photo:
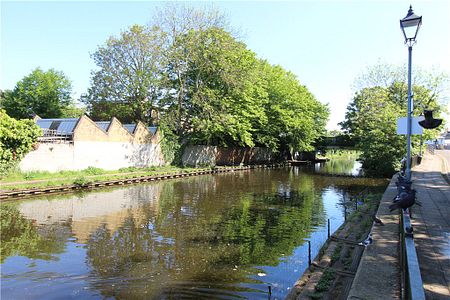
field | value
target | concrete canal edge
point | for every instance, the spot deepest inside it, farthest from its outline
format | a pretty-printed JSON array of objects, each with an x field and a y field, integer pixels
[
  {"x": 375, "y": 270},
  {"x": 378, "y": 275},
  {"x": 17, "y": 194}
]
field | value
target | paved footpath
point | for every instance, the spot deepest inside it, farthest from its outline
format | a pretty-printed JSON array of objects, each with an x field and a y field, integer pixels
[
  {"x": 431, "y": 224},
  {"x": 378, "y": 275}
]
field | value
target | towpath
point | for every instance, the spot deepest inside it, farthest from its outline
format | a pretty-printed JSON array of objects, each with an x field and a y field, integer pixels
[
  {"x": 378, "y": 274},
  {"x": 431, "y": 224}
]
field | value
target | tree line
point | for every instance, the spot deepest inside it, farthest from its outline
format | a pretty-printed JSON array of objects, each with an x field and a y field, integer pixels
[{"x": 188, "y": 73}]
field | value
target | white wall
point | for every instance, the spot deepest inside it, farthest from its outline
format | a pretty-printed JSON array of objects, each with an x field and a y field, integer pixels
[{"x": 80, "y": 155}]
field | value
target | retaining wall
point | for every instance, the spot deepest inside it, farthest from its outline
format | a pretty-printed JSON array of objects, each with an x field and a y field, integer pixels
[{"x": 199, "y": 155}]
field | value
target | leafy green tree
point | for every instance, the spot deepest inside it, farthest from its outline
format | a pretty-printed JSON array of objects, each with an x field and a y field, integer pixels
[
  {"x": 72, "y": 111},
  {"x": 191, "y": 76},
  {"x": 371, "y": 116},
  {"x": 373, "y": 121},
  {"x": 16, "y": 139},
  {"x": 182, "y": 25},
  {"x": 45, "y": 93},
  {"x": 296, "y": 119},
  {"x": 127, "y": 83},
  {"x": 222, "y": 98}
]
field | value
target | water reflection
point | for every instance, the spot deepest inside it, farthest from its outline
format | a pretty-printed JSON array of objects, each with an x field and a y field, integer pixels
[
  {"x": 220, "y": 236},
  {"x": 19, "y": 236},
  {"x": 340, "y": 166}
]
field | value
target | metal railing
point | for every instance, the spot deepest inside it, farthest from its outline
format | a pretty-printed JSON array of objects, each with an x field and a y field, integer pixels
[
  {"x": 54, "y": 136},
  {"x": 411, "y": 278}
]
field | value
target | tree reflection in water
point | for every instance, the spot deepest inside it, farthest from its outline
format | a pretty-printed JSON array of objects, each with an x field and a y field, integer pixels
[
  {"x": 187, "y": 245},
  {"x": 203, "y": 237},
  {"x": 20, "y": 236}
]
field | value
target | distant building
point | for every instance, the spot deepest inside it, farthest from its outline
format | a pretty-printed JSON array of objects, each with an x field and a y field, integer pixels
[{"x": 78, "y": 143}]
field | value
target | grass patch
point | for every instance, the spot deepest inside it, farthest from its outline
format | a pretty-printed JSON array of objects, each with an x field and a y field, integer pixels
[
  {"x": 325, "y": 281},
  {"x": 37, "y": 179},
  {"x": 348, "y": 260},
  {"x": 336, "y": 254},
  {"x": 94, "y": 171},
  {"x": 355, "y": 216}
]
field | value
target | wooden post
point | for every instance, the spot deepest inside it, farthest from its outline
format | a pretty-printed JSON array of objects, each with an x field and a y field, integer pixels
[
  {"x": 328, "y": 228},
  {"x": 309, "y": 253}
]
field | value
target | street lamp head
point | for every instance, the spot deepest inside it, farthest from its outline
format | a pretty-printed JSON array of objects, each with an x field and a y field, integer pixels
[{"x": 410, "y": 26}]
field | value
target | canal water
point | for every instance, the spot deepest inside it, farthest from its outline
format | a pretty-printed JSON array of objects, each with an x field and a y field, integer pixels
[{"x": 218, "y": 236}]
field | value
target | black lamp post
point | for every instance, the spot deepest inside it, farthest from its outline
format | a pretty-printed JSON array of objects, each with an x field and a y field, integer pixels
[{"x": 410, "y": 26}]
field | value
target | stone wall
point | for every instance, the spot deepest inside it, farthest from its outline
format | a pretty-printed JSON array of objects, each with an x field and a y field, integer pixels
[{"x": 199, "y": 155}]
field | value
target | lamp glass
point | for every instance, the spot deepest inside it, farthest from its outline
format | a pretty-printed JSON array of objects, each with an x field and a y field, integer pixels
[{"x": 410, "y": 32}]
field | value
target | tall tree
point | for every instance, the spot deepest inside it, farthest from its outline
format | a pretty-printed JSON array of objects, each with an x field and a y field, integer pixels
[
  {"x": 371, "y": 116},
  {"x": 204, "y": 84},
  {"x": 222, "y": 98},
  {"x": 128, "y": 82},
  {"x": 296, "y": 118},
  {"x": 178, "y": 22},
  {"x": 46, "y": 93}
]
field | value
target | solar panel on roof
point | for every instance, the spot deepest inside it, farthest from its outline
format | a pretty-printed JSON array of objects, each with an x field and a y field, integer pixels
[
  {"x": 44, "y": 124},
  {"x": 103, "y": 124},
  {"x": 130, "y": 127},
  {"x": 67, "y": 126},
  {"x": 63, "y": 126}
]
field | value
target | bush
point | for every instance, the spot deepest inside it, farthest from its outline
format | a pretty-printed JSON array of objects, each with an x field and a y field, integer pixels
[
  {"x": 82, "y": 181},
  {"x": 93, "y": 171},
  {"x": 170, "y": 145},
  {"x": 17, "y": 138}
]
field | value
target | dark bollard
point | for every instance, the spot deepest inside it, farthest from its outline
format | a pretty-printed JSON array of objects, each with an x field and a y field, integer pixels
[
  {"x": 270, "y": 290},
  {"x": 328, "y": 228},
  {"x": 309, "y": 253}
]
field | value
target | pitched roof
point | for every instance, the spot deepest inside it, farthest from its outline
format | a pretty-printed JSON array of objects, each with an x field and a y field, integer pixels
[{"x": 66, "y": 126}]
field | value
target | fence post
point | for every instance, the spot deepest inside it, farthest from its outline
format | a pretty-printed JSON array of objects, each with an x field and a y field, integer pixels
[
  {"x": 328, "y": 228},
  {"x": 309, "y": 253}
]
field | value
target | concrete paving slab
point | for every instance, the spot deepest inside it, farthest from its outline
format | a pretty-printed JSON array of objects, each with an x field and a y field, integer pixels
[{"x": 432, "y": 227}]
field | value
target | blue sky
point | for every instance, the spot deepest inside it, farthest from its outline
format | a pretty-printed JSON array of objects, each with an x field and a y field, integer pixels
[{"x": 325, "y": 43}]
